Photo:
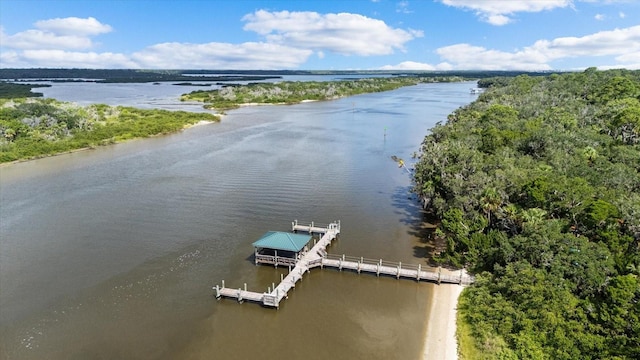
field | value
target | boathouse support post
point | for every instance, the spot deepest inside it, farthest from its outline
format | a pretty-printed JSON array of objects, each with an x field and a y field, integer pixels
[
  {"x": 399, "y": 268},
  {"x": 245, "y": 287},
  {"x": 223, "y": 284},
  {"x": 439, "y": 274},
  {"x": 217, "y": 292},
  {"x": 419, "y": 270}
]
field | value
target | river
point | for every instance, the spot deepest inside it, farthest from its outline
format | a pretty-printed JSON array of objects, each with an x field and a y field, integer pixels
[{"x": 111, "y": 253}]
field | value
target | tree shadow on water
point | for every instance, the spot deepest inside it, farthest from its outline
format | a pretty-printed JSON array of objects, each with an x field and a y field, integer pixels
[{"x": 420, "y": 222}]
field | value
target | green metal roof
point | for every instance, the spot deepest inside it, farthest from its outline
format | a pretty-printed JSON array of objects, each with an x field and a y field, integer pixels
[{"x": 282, "y": 241}]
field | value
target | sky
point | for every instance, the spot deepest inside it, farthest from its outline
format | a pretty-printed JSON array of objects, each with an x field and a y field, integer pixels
[{"x": 439, "y": 35}]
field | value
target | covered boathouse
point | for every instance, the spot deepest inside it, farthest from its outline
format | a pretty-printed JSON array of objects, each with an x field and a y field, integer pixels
[{"x": 280, "y": 248}]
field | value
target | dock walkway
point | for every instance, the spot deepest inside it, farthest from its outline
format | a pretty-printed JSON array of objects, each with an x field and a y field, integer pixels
[{"x": 317, "y": 257}]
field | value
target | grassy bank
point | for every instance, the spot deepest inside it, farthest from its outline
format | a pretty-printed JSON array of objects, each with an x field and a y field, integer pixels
[{"x": 32, "y": 128}]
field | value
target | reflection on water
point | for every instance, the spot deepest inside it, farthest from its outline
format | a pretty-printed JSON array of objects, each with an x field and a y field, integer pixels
[{"x": 111, "y": 253}]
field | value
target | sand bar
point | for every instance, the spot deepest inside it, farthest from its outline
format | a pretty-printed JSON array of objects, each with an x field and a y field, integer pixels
[{"x": 440, "y": 339}]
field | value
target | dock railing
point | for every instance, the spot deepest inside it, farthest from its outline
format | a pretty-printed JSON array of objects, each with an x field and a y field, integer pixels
[
  {"x": 312, "y": 226},
  {"x": 274, "y": 260},
  {"x": 397, "y": 269},
  {"x": 317, "y": 256}
]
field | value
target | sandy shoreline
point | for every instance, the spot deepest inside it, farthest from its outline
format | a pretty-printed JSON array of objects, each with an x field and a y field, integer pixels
[{"x": 440, "y": 339}]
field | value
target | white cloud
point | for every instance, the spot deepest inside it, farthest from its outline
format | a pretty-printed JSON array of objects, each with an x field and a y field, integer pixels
[
  {"x": 72, "y": 59},
  {"x": 599, "y": 17},
  {"x": 622, "y": 15},
  {"x": 344, "y": 33},
  {"x": 412, "y": 65},
  {"x": 403, "y": 7},
  {"x": 73, "y": 26},
  {"x": 611, "y": 42},
  {"x": 54, "y": 43},
  {"x": 253, "y": 56},
  {"x": 623, "y": 44},
  {"x": 67, "y": 33},
  {"x": 37, "y": 39},
  {"x": 465, "y": 56},
  {"x": 499, "y": 12}
]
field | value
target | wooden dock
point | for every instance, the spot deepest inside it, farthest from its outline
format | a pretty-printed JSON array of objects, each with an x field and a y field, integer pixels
[
  {"x": 317, "y": 257},
  {"x": 395, "y": 269}
]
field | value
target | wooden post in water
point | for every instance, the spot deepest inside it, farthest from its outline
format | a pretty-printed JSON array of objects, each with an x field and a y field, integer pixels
[
  {"x": 223, "y": 284},
  {"x": 419, "y": 269},
  {"x": 439, "y": 274},
  {"x": 399, "y": 268},
  {"x": 245, "y": 287}
]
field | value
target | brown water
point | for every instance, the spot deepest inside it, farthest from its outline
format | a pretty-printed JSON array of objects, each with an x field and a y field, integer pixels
[{"x": 112, "y": 253}]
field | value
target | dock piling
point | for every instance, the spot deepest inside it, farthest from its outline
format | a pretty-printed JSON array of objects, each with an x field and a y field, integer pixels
[{"x": 317, "y": 256}]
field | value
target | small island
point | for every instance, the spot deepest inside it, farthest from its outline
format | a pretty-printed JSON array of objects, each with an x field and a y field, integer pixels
[{"x": 293, "y": 92}]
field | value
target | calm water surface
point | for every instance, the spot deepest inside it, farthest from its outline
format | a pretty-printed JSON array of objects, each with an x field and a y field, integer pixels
[{"x": 112, "y": 253}]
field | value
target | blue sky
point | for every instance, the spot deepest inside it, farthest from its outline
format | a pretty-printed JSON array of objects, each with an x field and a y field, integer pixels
[{"x": 321, "y": 34}]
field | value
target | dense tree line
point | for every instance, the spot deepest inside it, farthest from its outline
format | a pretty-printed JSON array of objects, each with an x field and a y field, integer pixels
[
  {"x": 31, "y": 128},
  {"x": 537, "y": 186},
  {"x": 136, "y": 75},
  {"x": 292, "y": 92},
  {"x": 125, "y": 75}
]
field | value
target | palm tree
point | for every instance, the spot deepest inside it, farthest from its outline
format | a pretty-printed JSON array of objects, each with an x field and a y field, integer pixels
[
  {"x": 589, "y": 153},
  {"x": 533, "y": 216},
  {"x": 490, "y": 201}
]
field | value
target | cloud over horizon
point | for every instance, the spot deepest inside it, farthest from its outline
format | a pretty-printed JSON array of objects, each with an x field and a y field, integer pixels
[
  {"x": 343, "y": 33},
  {"x": 499, "y": 12},
  {"x": 291, "y": 39},
  {"x": 622, "y": 43}
]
